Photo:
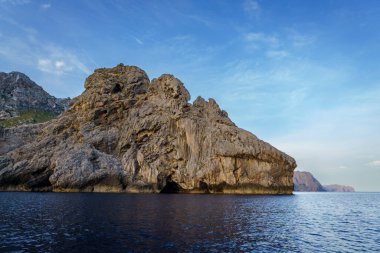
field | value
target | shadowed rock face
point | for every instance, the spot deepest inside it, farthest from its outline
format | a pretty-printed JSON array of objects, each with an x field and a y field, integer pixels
[
  {"x": 305, "y": 182},
  {"x": 126, "y": 133}
]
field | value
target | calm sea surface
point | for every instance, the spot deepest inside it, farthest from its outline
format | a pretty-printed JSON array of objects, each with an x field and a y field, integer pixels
[{"x": 92, "y": 222}]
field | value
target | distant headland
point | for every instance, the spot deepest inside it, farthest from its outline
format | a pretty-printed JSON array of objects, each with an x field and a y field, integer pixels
[{"x": 305, "y": 182}]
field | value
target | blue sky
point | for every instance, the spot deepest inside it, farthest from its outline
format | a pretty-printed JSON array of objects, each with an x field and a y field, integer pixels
[{"x": 301, "y": 74}]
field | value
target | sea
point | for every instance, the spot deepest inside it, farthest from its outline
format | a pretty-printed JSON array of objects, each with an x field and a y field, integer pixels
[{"x": 110, "y": 222}]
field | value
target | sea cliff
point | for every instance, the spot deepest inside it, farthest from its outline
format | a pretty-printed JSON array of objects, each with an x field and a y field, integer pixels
[{"x": 125, "y": 133}]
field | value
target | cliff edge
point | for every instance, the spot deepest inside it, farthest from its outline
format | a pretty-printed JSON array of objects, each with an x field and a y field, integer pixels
[
  {"x": 127, "y": 133},
  {"x": 305, "y": 182}
]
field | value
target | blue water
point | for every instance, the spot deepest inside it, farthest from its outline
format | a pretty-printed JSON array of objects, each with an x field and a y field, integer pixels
[{"x": 92, "y": 222}]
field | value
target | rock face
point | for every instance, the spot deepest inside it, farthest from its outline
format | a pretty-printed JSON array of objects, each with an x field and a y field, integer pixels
[
  {"x": 12, "y": 138},
  {"x": 338, "y": 188},
  {"x": 305, "y": 182},
  {"x": 20, "y": 94},
  {"x": 126, "y": 133}
]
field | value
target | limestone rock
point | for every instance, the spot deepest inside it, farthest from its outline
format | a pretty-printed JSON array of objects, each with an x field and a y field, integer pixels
[
  {"x": 12, "y": 138},
  {"x": 127, "y": 133}
]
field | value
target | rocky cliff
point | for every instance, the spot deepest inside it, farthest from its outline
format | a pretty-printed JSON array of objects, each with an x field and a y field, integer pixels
[
  {"x": 305, "y": 182},
  {"x": 127, "y": 133},
  {"x": 19, "y": 95}
]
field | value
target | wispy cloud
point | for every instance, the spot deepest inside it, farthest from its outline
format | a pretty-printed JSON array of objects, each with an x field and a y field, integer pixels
[
  {"x": 65, "y": 60},
  {"x": 183, "y": 37},
  {"x": 277, "y": 54},
  {"x": 261, "y": 38},
  {"x": 283, "y": 44},
  {"x": 138, "y": 40},
  {"x": 190, "y": 16},
  {"x": 56, "y": 67},
  {"x": 251, "y": 7},
  {"x": 298, "y": 39},
  {"x": 45, "y": 6},
  {"x": 28, "y": 31},
  {"x": 200, "y": 19},
  {"x": 15, "y": 2},
  {"x": 375, "y": 163},
  {"x": 26, "y": 48}
]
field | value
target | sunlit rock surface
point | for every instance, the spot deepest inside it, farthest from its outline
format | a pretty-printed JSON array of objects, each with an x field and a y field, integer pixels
[{"x": 127, "y": 133}]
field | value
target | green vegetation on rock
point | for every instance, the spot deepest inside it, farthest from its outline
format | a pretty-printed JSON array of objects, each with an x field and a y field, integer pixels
[{"x": 28, "y": 117}]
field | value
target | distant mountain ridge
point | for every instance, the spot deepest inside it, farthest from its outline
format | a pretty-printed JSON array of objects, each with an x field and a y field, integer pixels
[
  {"x": 338, "y": 188},
  {"x": 305, "y": 182},
  {"x": 20, "y": 96}
]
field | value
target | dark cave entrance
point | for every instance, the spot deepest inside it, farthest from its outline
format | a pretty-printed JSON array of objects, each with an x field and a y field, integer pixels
[
  {"x": 116, "y": 88},
  {"x": 171, "y": 186}
]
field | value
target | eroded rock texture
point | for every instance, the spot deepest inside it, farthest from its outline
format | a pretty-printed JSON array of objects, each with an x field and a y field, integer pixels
[{"x": 126, "y": 133}]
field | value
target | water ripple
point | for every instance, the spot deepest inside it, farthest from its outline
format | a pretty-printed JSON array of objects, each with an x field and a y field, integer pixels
[{"x": 82, "y": 222}]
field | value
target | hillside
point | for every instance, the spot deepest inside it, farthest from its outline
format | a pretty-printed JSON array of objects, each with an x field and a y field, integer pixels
[{"x": 22, "y": 101}]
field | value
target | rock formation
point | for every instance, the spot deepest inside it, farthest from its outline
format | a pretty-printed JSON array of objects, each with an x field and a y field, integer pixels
[
  {"x": 305, "y": 182},
  {"x": 12, "y": 138},
  {"x": 19, "y": 94},
  {"x": 126, "y": 133}
]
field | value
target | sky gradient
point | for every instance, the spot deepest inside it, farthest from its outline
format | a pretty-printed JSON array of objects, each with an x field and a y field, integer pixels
[{"x": 302, "y": 75}]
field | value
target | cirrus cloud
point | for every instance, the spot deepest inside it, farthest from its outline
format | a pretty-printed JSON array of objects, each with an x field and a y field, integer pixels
[{"x": 375, "y": 163}]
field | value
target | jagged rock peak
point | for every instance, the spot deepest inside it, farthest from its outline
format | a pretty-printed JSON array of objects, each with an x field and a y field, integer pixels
[
  {"x": 14, "y": 76},
  {"x": 126, "y": 133},
  {"x": 13, "y": 80},
  {"x": 171, "y": 88},
  {"x": 132, "y": 81},
  {"x": 121, "y": 76}
]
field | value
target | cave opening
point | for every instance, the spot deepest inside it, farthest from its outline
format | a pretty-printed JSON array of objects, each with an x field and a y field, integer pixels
[
  {"x": 171, "y": 187},
  {"x": 116, "y": 88}
]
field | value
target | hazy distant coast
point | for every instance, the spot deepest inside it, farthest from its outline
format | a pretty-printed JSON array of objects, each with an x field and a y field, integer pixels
[{"x": 305, "y": 182}]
